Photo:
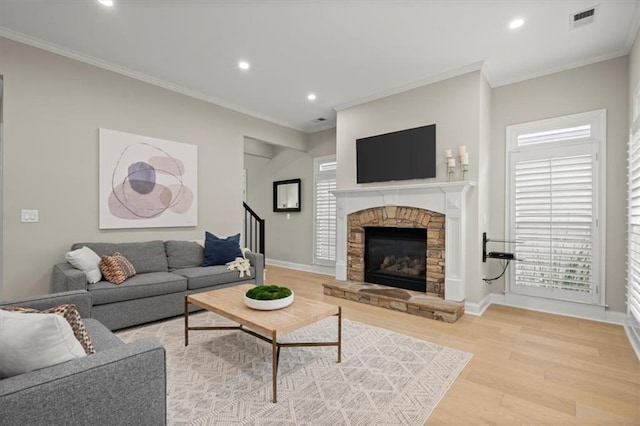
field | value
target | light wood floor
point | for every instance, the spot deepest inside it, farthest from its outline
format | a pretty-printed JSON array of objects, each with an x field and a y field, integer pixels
[{"x": 527, "y": 368}]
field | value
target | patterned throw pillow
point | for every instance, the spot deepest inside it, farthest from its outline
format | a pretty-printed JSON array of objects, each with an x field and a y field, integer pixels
[
  {"x": 71, "y": 314},
  {"x": 116, "y": 268}
]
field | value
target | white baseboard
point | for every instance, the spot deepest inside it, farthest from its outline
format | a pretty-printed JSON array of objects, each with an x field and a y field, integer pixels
[
  {"x": 478, "y": 308},
  {"x": 633, "y": 334},
  {"x": 616, "y": 317},
  {"x": 318, "y": 269},
  {"x": 559, "y": 307}
]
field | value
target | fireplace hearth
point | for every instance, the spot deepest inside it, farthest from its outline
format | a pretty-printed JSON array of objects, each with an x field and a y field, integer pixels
[{"x": 396, "y": 257}]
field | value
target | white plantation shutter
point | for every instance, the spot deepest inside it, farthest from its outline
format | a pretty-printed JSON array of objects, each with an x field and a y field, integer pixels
[
  {"x": 633, "y": 290},
  {"x": 554, "y": 222},
  {"x": 554, "y": 205},
  {"x": 555, "y": 135},
  {"x": 324, "y": 251}
]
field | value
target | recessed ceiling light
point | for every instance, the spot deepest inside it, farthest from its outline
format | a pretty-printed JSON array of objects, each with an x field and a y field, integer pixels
[
  {"x": 244, "y": 65},
  {"x": 106, "y": 2},
  {"x": 311, "y": 96},
  {"x": 516, "y": 23}
]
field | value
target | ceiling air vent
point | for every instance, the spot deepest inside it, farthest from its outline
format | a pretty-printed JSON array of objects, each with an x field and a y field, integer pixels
[
  {"x": 584, "y": 17},
  {"x": 319, "y": 120}
]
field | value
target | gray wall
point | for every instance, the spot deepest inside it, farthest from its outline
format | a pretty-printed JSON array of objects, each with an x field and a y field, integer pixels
[
  {"x": 459, "y": 107},
  {"x": 289, "y": 236},
  {"x": 484, "y": 189},
  {"x": 591, "y": 87},
  {"x": 53, "y": 107}
]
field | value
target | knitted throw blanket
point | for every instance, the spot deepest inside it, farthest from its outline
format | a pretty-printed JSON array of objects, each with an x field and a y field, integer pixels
[{"x": 240, "y": 264}]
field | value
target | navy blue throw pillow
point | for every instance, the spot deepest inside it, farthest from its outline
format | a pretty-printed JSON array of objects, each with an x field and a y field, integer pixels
[{"x": 219, "y": 251}]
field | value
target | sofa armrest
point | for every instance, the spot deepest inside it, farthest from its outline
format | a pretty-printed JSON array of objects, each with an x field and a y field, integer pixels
[
  {"x": 123, "y": 385},
  {"x": 65, "y": 278},
  {"x": 257, "y": 261},
  {"x": 80, "y": 298}
]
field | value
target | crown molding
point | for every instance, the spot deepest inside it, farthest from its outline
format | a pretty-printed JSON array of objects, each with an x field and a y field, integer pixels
[
  {"x": 87, "y": 59},
  {"x": 410, "y": 86},
  {"x": 562, "y": 68}
]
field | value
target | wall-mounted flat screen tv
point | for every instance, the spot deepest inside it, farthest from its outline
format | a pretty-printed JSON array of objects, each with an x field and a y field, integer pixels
[{"x": 402, "y": 155}]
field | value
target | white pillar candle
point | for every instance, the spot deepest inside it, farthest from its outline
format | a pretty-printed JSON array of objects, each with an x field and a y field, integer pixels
[
  {"x": 461, "y": 150},
  {"x": 447, "y": 153},
  {"x": 452, "y": 162},
  {"x": 465, "y": 158}
]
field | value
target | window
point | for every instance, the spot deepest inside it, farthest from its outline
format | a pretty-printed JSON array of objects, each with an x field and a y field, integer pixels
[
  {"x": 633, "y": 282},
  {"x": 555, "y": 207},
  {"x": 324, "y": 245}
]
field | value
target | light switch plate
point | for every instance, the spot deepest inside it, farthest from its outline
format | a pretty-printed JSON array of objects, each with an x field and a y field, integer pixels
[{"x": 29, "y": 216}]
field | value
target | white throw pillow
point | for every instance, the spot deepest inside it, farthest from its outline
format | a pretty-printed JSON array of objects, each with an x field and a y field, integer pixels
[
  {"x": 32, "y": 341},
  {"x": 87, "y": 261}
]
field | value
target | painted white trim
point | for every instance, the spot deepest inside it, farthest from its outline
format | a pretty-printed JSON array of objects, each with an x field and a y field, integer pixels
[
  {"x": 87, "y": 59},
  {"x": 476, "y": 66},
  {"x": 566, "y": 67},
  {"x": 634, "y": 338},
  {"x": 321, "y": 175},
  {"x": 613, "y": 317},
  {"x": 479, "y": 308},
  {"x": 598, "y": 140},
  {"x": 561, "y": 307},
  {"x": 448, "y": 198},
  {"x": 318, "y": 269}
]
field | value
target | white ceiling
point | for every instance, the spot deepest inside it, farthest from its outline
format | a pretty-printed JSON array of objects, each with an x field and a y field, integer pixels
[{"x": 344, "y": 51}]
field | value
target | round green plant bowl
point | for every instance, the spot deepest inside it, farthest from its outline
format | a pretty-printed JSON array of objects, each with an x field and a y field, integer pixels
[{"x": 268, "y": 297}]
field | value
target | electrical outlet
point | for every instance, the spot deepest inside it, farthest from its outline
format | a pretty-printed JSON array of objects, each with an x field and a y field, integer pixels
[{"x": 29, "y": 216}]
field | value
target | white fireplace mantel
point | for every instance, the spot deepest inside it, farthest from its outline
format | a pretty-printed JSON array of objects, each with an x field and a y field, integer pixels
[{"x": 448, "y": 198}]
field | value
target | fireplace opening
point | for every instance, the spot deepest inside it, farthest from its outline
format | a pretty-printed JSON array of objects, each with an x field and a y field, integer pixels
[{"x": 396, "y": 257}]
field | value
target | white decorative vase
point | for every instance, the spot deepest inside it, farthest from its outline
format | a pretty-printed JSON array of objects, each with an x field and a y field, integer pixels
[{"x": 268, "y": 305}]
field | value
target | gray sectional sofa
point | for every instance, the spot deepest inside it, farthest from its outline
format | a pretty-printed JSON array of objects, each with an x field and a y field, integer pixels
[
  {"x": 165, "y": 272},
  {"x": 119, "y": 384}
]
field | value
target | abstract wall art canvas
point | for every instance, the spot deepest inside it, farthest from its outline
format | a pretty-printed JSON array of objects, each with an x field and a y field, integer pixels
[{"x": 147, "y": 182}]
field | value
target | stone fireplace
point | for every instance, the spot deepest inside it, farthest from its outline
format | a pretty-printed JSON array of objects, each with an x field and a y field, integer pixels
[
  {"x": 398, "y": 246},
  {"x": 437, "y": 207}
]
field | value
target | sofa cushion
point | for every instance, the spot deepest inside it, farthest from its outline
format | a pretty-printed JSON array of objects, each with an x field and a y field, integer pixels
[
  {"x": 69, "y": 313},
  {"x": 183, "y": 254},
  {"x": 218, "y": 251},
  {"x": 87, "y": 261},
  {"x": 139, "y": 286},
  {"x": 32, "y": 341},
  {"x": 212, "y": 275},
  {"x": 145, "y": 257},
  {"x": 116, "y": 268},
  {"x": 80, "y": 298}
]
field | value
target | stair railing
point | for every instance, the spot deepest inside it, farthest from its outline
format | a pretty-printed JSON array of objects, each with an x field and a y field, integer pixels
[{"x": 253, "y": 230}]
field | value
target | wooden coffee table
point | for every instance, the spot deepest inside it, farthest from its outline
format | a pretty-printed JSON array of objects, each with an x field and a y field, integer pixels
[{"x": 265, "y": 325}]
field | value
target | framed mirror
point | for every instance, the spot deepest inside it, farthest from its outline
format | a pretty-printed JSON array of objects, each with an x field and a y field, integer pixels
[{"x": 286, "y": 195}]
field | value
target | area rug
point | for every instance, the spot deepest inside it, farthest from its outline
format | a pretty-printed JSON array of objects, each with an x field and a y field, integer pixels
[{"x": 224, "y": 377}]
